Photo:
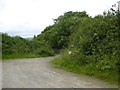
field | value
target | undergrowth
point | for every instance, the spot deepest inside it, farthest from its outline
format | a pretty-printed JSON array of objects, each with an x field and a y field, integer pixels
[{"x": 89, "y": 69}]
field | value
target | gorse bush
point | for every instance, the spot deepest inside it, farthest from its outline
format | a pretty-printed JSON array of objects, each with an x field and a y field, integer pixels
[
  {"x": 93, "y": 47},
  {"x": 96, "y": 41}
]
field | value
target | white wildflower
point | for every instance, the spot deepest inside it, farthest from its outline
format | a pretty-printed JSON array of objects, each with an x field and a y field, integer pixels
[
  {"x": 95, "y": 34},
  {"x": 69, "y": 52}
]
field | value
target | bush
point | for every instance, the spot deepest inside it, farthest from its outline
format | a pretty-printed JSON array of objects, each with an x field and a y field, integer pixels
[{"x": 93, "y": 47}]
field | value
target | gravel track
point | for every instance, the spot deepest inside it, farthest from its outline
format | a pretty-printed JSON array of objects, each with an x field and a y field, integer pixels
[{"x": 38, "y": 73}]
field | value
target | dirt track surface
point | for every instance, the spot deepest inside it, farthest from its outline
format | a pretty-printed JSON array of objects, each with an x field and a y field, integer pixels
[{"x": 38, "y": 73}]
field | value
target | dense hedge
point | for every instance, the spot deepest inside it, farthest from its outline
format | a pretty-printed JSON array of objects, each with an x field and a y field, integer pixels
[{"x": 18, "y": 47}]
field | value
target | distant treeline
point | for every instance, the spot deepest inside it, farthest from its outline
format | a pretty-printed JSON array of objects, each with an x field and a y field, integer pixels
[{"x": 18, "y": 47}]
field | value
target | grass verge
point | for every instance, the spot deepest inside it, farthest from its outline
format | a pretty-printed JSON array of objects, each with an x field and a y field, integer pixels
[
  {"x": 19, "y": 56},
  {"x": 22, "y": 56},
  {"x": 89, "y": 69}
]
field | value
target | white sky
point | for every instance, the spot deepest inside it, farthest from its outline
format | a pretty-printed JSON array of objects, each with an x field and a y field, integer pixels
[{"x": 29, "y": 17}]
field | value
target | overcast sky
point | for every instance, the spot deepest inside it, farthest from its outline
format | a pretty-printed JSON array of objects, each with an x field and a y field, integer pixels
[{"x": 27, "y": 18}]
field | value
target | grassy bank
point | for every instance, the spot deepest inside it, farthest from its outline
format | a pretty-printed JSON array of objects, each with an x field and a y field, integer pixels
[
  {"x": 89, "y": 69},
  {"x": 19, "y": 56}
]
